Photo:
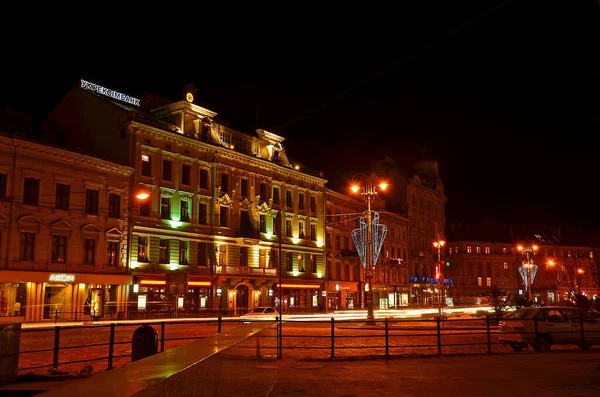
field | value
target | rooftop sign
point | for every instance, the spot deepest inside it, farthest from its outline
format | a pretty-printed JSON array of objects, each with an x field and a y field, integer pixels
[{"x": 109, "y": 93}]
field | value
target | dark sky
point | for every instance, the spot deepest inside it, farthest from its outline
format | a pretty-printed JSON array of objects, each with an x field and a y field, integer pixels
[{"x": 503, "y": 94}]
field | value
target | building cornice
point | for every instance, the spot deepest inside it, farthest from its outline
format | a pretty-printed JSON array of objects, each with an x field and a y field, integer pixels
[
  {"x": 227, "y": 154},
  {"x": 46, "y": 152}
]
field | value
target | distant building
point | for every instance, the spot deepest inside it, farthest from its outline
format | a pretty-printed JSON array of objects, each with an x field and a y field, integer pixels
[{"x": 486, "y": 255}]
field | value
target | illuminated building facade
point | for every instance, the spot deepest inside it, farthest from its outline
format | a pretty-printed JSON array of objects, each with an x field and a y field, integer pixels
[
  {"x": 205, "y": 241},
  {"x": 61, "y": 233}
]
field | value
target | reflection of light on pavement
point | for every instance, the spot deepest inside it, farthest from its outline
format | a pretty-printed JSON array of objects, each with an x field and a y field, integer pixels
[{"x": 338, "y": 315}]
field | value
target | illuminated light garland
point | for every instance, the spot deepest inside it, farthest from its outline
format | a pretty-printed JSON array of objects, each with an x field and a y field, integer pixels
[
  {"x": 359, "y": 237},
  {"x": 532, "y": 272}
]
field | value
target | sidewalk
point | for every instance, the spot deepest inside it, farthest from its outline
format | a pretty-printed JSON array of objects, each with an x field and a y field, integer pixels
[
  {"x": 515, "y": 375},
  {"x": 528, "y": 375}
]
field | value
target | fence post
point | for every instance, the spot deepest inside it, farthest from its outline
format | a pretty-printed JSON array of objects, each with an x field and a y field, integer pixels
[
  {"x": 56, "y": 346},
  {"x": 162, "y": 336},
  {"x": 219, "y": 325},
  {"x": 581, "y": 330},
  {"x": 387, "y": 338},
  {"x": 536, "y": 332},
  {"x": 332, "y": 338},
  {"x": 489, "y": 337},
  {"x": 439, "y": 335},
  {"x": 111, "y": 345},
  {"x": 55, "y": 316}
]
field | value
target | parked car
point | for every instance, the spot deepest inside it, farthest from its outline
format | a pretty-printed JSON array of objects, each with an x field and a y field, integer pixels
[
  {"x": 555, "y": 325},
  {"x": 261, "y": 313}
]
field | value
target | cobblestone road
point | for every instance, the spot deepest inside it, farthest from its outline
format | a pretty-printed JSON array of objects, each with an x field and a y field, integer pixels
[{"x": 300, "y": 340}]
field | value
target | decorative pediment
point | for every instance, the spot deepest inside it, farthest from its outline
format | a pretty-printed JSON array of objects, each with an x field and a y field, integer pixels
[
  {"x": 61, "y": 226},
  {"x": 245, "y": 203},
  {"x": 185, "y": 196},
  {"x": 313, "y": 221},
  {"x": 30, "y": 222},
  {"x": 166, "y": 192},
  {"x": 203, "y": 199},
  {"x": 264, "y": 208},
  {"x": 225, "y": 200},
  {"x": 114, "y": 234},
  {"x": 90, "y": 231}
]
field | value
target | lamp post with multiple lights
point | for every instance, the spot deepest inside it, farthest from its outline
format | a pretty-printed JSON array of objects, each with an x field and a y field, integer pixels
[
  {"x": 528, "y": 250},
  {"x": 438, "y": 244},
  {"x": 370, "y": 183}
]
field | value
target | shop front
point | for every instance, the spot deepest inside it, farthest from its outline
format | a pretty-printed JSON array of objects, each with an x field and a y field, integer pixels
[
  {"x": 299, "y": 298},
  {"x": 398, "y": 296},
  {"x": 342, "y": 296},
  {"x": 175, "y": 294},
  {"x": 380, "y": 296},
  {"x": 41, "y": 296}
]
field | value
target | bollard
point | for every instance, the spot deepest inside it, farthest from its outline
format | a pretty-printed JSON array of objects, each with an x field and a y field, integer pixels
[
  {"x": 219, "y": 324},
  {"x": 56, "y": 346},
  {"x": 332, "y": 338}
]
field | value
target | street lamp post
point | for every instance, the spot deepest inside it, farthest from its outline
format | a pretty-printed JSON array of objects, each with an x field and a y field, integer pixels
[
  {"x": 439, "y": 243},
  {"x": 369, "y": 191},
  {"x": 528, "y": 249},
  {"x": 141, "y": 195}
]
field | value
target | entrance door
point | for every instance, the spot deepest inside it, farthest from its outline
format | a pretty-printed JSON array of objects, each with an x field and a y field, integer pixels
[
  {"x": 241, "y": 298},
  {"x": 54, "y": 300}
]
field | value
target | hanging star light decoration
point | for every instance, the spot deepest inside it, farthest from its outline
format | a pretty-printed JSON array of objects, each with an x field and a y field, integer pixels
[
  {"x": 359, "y": 237},
  {"x": 523, "y": 270}
]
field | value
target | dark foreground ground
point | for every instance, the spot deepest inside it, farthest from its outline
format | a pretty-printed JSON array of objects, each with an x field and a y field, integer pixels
[{"x": 540, "y": 374}]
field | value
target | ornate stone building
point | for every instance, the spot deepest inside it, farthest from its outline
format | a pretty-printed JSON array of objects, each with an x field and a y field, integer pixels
[
  {"x": 62, "y": 219},
  {"x": 204, "y": 241}
]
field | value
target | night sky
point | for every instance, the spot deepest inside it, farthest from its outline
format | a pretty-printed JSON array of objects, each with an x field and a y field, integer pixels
[{"x": 503, "y": 94}]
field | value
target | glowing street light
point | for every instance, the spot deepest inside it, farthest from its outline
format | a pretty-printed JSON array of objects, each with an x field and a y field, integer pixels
[
  {"x": 439, "y": 243},
  {"x": 369, "y": 250},
  {"x": 142, "y": 195},
  {"x": 528, "y": 268}
]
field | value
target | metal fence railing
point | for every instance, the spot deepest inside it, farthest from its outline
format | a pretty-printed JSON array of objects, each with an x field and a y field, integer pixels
[{"x": 63, "y": 346}]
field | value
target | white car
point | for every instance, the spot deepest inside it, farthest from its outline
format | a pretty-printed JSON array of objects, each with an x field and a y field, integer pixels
[
  {"x": 262, "y": 313},
  {"x": 555, "y": 325}
]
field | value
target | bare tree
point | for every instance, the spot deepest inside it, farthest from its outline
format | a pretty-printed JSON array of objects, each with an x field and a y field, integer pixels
[{"x": 571, "y": 273}]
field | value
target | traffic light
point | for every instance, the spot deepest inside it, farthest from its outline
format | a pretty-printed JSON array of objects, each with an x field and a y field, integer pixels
[{"x": 447, "y": 264}]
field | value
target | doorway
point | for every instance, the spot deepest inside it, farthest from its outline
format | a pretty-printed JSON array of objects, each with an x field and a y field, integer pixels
[{"x": 241, "y": 298}]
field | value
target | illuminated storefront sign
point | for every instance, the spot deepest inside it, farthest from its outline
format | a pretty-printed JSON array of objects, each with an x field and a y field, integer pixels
[
  {"x": 64, "y": 278},
  {"x": 109, "y": 93}
]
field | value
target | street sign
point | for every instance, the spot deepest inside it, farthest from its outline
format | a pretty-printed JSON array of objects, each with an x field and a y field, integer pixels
[
  {"x": 369, "y": 273},
  {"x": 441, "y": 279}
]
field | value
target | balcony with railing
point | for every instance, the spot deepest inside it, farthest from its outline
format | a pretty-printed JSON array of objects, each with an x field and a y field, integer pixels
[{"x": 246, "y": 271}]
